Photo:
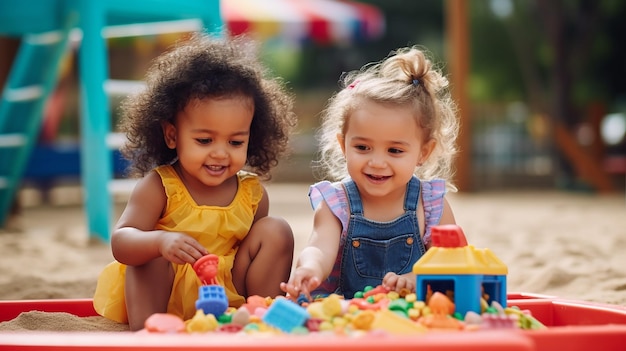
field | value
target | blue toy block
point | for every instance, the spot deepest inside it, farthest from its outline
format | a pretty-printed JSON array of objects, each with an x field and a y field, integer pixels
[
  {"x": 285, "y": 315},
  {"x": 212, "y": 300}
]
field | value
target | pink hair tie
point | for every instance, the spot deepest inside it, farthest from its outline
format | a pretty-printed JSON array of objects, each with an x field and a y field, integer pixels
[{"x": 353, "y": 84}]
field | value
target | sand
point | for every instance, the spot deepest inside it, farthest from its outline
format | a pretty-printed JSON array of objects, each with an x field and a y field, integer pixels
[{"x": 569, "y": 245}]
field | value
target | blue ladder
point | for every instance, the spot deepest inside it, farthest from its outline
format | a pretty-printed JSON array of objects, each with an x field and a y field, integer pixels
[
  {"x": 91, "y": 17},
  {"x": 30, "y": 82}
]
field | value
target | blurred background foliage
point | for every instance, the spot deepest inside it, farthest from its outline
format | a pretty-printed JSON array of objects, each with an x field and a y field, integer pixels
[{"x": 534, "y": 66}]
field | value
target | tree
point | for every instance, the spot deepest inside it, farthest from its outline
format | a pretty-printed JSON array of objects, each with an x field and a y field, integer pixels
[{"x": 560, "y": 56}]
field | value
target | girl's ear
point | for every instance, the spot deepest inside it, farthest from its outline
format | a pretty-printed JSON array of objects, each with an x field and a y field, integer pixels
[
  {"x": 426, "y": 150},
  {"x": 341, "y": 139},
  {"x": 169, "y": 134}
]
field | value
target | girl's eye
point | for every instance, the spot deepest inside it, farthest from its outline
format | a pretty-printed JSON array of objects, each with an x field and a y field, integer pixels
[
  {"x": 361, "y": 147},
  {"x": 236, "y": 143},
  {"x": 203, "y": 141},
  {"x": 395, "y": 151}
]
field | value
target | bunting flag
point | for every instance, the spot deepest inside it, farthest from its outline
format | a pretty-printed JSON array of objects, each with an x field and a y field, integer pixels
[{"x": 299, "y": 21}]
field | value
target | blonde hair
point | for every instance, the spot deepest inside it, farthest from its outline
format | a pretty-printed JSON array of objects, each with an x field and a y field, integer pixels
[{"x": 406, "y": 77}]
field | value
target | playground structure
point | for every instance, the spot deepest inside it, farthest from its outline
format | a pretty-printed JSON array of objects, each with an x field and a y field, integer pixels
[
  {"x": 49, "y": 29},
  {"x": 45, "y": 28}
]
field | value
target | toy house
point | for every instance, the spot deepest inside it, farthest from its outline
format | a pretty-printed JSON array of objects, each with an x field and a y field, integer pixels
[{"x": 464, "y": 273}]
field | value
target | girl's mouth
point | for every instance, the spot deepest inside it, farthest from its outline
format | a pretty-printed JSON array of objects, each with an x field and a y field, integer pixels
[
  {"x": 215, "y": 169},
  {"x": 377, "y": 178}
]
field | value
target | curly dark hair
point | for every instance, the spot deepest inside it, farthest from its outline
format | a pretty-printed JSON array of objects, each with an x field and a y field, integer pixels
[{"x": 202, "y": 67}]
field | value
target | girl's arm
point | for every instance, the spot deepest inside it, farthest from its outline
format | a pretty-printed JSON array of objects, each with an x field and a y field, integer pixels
[
  {"x": 447, "y": 216},
  {"x": 321, "y": 250},
  {"x": 264, "y": 206},
  {"x": 316, "y": 260},
  {"x": 134, "y": 240}
]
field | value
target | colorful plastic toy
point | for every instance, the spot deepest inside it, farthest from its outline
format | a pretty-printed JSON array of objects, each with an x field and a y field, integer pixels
[
  {"x": 441, "y": 309},
  {"x": 451, "y": 265},
  {"x": 206, "y": 269},
  {"x": 212, "y": 299},
  {"x": 354, "y": 325},
  {"x": 211, "y": 296},
  {"x": 201, "y": 323},
  {"x": 164, "y": 323},
  {"x": 393, "y": 323},
  {"x": 571, "y": 325},
  {"x": 285, "y": 315}
]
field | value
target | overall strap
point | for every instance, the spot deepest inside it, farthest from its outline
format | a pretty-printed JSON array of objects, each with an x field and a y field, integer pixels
[
  {"x": 356, "y": 207},
  {"x": 412, "y": 194}
]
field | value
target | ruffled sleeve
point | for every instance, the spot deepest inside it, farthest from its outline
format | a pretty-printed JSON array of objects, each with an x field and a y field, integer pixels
[
  {"x": 174, "y": 190},
  {"x": 251, "y": 189},
  {"x": 335, "y": 197},
  {"x": 433, "y": 192}
]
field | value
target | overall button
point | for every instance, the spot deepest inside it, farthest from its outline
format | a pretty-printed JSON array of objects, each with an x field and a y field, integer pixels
[
  {"x": 409, "y": 241},
  {"x": 356, "y": 243}
]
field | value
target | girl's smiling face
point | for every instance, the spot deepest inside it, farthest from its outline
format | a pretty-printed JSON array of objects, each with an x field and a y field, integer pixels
[
  {"x": 211, "y": 138},
  {"x": 382, "y": 145}
]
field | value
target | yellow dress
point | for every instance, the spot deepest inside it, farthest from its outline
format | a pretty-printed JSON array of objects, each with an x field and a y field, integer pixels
[{"x": 219, "y": 229}]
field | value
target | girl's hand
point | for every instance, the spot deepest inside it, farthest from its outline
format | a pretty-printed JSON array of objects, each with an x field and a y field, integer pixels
[
  {"x": 316, "y": 260},
  {"x": 180, "y": 248},
  {"x": 303, "y": 281},
  {"x": 397, "y": 283}
]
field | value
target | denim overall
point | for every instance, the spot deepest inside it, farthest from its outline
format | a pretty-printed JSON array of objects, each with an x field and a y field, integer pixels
[{"x": 372, "y": 249}]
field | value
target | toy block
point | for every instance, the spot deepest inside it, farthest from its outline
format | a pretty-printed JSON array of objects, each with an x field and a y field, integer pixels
[
  {"x": 285, "y": 315},
  {"x": 212, "y": 300},
  {"x": 453, "y": 265}
]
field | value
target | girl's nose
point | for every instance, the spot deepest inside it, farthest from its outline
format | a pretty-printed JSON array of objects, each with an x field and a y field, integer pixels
[
  {"x": 218, "y": 152},
  {"x": 377, "y": 162}
]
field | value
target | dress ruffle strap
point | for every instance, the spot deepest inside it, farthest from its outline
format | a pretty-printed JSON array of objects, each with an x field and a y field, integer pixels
[{"x": 432, "y": 195}]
